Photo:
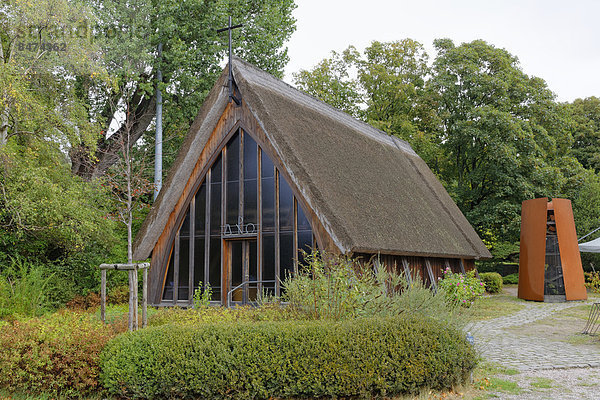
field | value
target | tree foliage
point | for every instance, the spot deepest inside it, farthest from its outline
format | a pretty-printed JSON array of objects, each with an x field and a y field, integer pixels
[
  {"x": 78, "y": 79},
  {"x": 46, "y": 213},
  {"x": 129, "y": 34},
  {"x": 586, "y": 135},
  {"x": 494, "y": 135}
]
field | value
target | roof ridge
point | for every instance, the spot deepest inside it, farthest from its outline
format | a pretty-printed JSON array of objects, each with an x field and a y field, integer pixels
[{"x": 317, "y": 104}]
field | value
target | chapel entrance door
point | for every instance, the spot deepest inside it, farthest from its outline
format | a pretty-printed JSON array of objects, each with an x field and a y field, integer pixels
[{"x": 242, "y": 278}]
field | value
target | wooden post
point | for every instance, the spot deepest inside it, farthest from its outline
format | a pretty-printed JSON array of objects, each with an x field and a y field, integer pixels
[
  {"x": 406, "y": 267},
  {"x": 431, "y": 276},
  {"x": 145, "y": 298},
  {"x": 130, "y": 319},
  {"x": 103, "y": 296},
  {"x": 135, "y": 299}
]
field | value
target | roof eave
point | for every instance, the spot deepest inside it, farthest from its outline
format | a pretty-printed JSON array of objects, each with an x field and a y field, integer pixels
[{"x": 420, "y": 254}]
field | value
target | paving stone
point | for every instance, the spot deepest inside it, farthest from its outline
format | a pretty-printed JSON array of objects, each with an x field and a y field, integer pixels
[{"x": 526, "y": 353}]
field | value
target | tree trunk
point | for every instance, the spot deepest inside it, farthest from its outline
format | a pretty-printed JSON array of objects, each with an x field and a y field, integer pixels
[
  {"x": 4, "y": 123},
  {"x": 6, "y": 55},
  {"x": 90, "y": 166},
  {"x": 127, "y": 149}
]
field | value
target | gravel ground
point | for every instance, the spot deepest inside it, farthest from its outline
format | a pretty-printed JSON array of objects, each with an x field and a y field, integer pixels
[
  {"x": 543, "y": 367},
  {"x": 567, "y": 384}
]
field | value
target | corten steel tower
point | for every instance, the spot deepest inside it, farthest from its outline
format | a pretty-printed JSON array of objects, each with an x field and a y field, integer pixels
[{"x": 550, "y": 264}]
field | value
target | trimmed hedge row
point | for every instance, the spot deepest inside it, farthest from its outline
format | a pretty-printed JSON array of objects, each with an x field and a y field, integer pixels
[{"x": 287, "y": 359}]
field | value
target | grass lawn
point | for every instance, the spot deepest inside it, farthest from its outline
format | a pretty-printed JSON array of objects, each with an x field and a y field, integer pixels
[{"x": 495, "y": 306}]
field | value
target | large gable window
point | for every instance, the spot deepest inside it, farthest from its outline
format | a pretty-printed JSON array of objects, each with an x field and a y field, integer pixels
[{"x": 242, "y": 232}]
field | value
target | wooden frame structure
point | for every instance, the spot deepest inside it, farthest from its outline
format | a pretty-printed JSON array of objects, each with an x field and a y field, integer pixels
[
  {"x": 325, "y": 175},
  {"x": 229, "y": 232},
  {"x": 132, "y": 270}
]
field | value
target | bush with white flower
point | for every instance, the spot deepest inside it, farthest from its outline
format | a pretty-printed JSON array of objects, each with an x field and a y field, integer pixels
[{"x": 461, "y": 289}]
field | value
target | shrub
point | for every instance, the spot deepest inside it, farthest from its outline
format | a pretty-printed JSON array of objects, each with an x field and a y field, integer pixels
[
  {"x": 118, "y": 295},
  {"x": 339, "y": 287},
  {"x": 592, "y": 281},
  {"x": 23, "y": 289},
  {"x": 364, "y": 356},
  {"x": 511, "y": 279},
  {"x": 83, "y": 303},
  {"x": 492, "y": 281},
  {"x": 56, "y": 354},
  {"x": 461, "y": 289}
]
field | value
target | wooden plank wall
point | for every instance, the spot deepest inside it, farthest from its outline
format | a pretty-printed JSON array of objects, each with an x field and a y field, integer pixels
[{"x": 417, "y": 265}]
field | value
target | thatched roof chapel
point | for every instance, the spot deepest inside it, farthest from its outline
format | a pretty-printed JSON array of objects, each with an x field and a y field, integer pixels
[{"x": 351, "y": 188}]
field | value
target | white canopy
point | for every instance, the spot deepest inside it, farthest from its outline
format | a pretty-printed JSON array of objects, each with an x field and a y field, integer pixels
[{"x": 592, "y": 246}]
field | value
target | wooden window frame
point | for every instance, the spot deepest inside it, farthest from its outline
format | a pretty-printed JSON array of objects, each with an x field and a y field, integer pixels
[{"x": 190, "y": 208}]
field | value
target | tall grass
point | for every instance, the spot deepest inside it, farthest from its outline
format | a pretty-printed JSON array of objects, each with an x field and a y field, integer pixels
[
  {"x": 338, "y": 287},
  {"x": 23, "y": 289}
]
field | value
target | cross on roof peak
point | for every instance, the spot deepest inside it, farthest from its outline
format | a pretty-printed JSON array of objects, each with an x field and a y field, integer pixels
[{"x": 230, "y": 28}]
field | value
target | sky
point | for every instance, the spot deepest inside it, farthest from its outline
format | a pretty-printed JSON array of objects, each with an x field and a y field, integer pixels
[{"x": 558, "y": 41}]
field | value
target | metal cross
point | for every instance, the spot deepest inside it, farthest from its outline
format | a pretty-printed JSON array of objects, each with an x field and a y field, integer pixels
[{"x": 230, "y": 28}]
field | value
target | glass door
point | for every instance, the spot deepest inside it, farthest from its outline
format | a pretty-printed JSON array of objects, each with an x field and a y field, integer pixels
[{"x": 242, "y": 271}]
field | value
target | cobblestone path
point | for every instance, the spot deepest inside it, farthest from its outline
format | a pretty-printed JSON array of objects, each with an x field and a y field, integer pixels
[{"x": 526, "y": 352}]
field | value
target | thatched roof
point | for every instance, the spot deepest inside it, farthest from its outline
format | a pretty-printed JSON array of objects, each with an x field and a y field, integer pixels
[{"x": 371, "y": 191}]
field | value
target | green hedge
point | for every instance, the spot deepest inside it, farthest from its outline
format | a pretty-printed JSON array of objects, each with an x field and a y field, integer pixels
[
  {"x": 492, "y": 281},
  {"x": 511, "y": 279},
  {"x": 287, "y": 359}
]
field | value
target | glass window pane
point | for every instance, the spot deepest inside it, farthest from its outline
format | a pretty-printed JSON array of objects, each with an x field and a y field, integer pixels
[
  {"x": 252, "y": 270},
  {"x": 199, "y": 224},
  {"x": 198, "y": 261},
  {"x": 286, "y": 206},
  {"x": 286, "y": 253},
  {"x": 250, "y": 158},
  {"x": 215, "y": 208},
  {"x": 216, "y": 170},
  {"x": 236, "y": 270},
  {"x": 250, "y": 200},
  {"x": 268, "y": 273},
  {"x": 304, "y": 243},
  {"x": 168, "y": 291},
  {"x": 303, "y": 223},
  {"x": 267, "y": 168},
  {"x": 233, "y": 202},
  {"x": 184, "y": 268},
  {"x": 268, "y": 204},
  {"x": 233, "y": 158},
  {"x": 214, "y": 270},
  {"x": 185, "y": 228}
]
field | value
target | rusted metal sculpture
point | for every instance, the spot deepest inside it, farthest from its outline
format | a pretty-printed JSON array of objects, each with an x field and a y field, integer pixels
[{"x": 550, "y": 265}]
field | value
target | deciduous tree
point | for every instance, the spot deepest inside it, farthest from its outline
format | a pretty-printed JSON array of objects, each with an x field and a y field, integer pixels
[{"x": 129, "y": 34}]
